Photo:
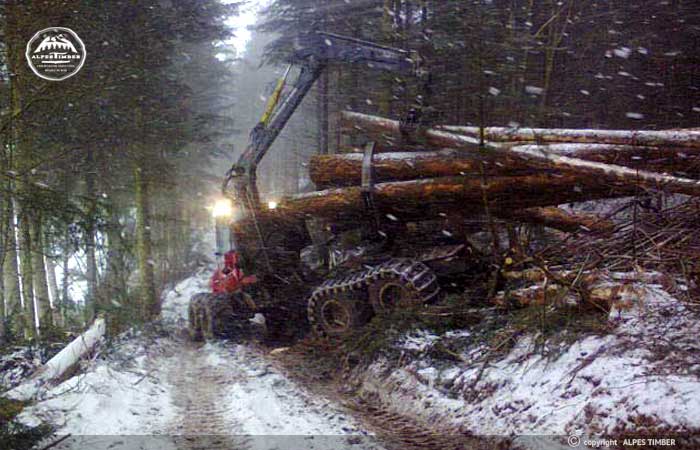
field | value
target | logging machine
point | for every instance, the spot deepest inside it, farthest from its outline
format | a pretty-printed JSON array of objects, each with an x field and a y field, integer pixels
[{"x": 332, "y": 274}]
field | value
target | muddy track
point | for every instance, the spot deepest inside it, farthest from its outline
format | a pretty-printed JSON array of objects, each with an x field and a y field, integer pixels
[
  {"x": 395, "y": 431},
  {"x": 199, "y": 388}
]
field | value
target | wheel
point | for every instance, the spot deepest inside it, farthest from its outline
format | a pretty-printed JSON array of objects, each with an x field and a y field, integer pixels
[
  {"x": 194, "y": 317},
  {"x": 337, "y": 314},
  {"x": 387, "y": 294},
  {"x": 217, "y": 316}
]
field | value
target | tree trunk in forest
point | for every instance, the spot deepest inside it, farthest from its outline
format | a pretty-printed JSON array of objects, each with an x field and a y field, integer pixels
[
  {"x": 26, "y": 275},
  {"x": 10, "y": 271},
  {"x": 61, "y": 363},
  {"x": 66, "y": 301},
  {"x": 91, "y": 306},
  {"x": 387, "y": 80},
  {"x": 41, "y": 289},
  {"x": 322, "y": 113},
  {"x": 57, "y": 317},
  {"x": 20, "y": 146},
  {"x": 150, "y": 305}
]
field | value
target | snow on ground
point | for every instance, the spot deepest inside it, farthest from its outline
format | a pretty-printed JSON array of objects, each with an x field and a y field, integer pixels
[
  {"x": 158, "y": 385},
  {"x": 17, "y": 365},
  {"x": 114, "y": 397},
  {"x": 645, "y": 374},
  {"x": 176, "y": 300}
]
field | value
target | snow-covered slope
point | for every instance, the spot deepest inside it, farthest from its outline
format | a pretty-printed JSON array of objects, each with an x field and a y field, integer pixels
[{"x": 644, "y": 377}]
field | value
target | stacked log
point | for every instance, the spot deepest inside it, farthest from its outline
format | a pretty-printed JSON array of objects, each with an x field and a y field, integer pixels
[
  {"x": 516, "y": 175},
  {"x": 416, "y": 198},
  {"x": 538, "y": 156}
]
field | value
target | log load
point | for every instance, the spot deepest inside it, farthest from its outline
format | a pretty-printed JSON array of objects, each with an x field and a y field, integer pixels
[
  {"x": 663, "y": 138},
  {"x": 535, "y": 156},
  {"x": 346, "y": 169},
  {"x": 418, "y": 198}
]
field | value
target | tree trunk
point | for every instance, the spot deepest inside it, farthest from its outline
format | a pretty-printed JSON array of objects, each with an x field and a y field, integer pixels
[
  {"x": 10, "y": 271},
  {"x": 60, "y": 364},
  {"x": 150, "y": 305},
  {"x": 91, "y": 306},
  {"x": 537, "y": 156},
  {"x": 554, "y": 217},
  {"x": 25, "y": 257},
  {"x": 346, "y": 169},
  {"x": 66, "y": 301},
  {"x": 41, "y": 289},
  {"x": 57, "y": 317}
]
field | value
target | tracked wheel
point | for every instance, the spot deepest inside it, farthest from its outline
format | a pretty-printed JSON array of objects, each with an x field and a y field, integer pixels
[
  {"x": 337, "y": 314},
  {"x": 340, "y": 304},
  {"x": 194, "y": 316},
  {"x": 388, "y": 294},
  {"x": 217, "y": 316}
]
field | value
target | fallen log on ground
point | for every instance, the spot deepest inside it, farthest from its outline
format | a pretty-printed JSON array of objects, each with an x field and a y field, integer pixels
[
  {"x": 535, "y": 156},
  {"x": 597, "y": 289},
  {"x": 663, "y": 138},
  {"x": 59, "y": 365},
  {"x": 554, "y": 217}
]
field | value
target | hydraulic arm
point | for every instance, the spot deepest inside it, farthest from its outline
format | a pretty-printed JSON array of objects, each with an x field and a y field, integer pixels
[{"x": 317, "y": 50}]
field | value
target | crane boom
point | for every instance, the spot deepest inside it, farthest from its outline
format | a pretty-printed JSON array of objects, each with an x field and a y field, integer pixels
[{"x": 315, "y": 52}]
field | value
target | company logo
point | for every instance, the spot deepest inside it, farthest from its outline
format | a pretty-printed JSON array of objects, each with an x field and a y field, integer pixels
[{"x": 55, "y": 53}]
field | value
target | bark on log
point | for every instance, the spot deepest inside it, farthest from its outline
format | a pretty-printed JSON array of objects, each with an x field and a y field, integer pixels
[
  {"x": 418, "y": 198},
  {"x": 554, "y": 217},
  {"x": 669, "y": 138},
  {"x": 57, "y": 366},
  {"x": 535, "y": 156},
  {"x": 600, "y": 290},
  {"x": 346, "y": 169}
]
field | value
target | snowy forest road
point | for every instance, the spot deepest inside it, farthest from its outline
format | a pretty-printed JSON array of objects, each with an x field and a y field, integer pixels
[{"x": 158, "y": 390}]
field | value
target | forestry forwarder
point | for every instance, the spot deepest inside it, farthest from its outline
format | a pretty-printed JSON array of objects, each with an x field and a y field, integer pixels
[{"x": 334, "y": 273}]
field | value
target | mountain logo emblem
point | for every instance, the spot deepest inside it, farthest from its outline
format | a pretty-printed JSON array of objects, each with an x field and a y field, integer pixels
[{"x": 55, "y": 53}]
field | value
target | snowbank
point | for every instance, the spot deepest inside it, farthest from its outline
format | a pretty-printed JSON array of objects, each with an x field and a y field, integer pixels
[
  {"x": 61, "y": 363},
  {"x": 645, "y": 376},
  {"x": 176, "y": 300},
  {"x": 114, "y": 397}
]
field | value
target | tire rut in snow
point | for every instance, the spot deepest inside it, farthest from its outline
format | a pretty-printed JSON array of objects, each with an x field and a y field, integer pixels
[{"x": 199, "y": 395}]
